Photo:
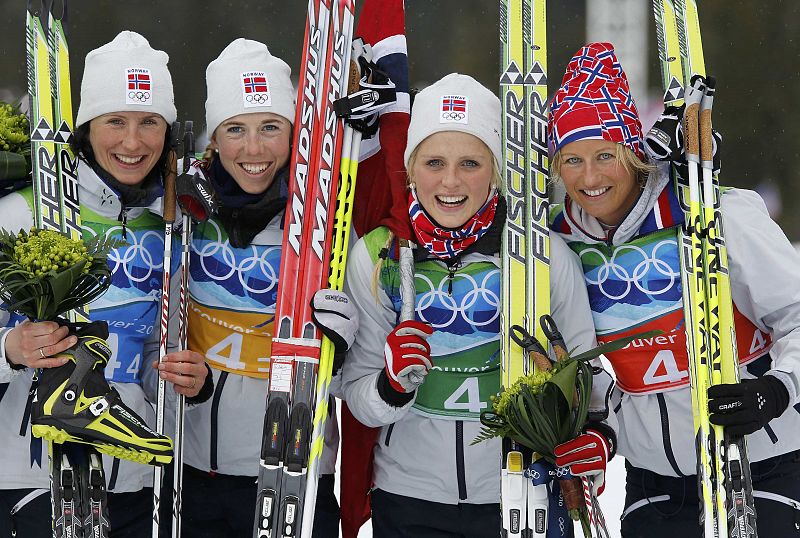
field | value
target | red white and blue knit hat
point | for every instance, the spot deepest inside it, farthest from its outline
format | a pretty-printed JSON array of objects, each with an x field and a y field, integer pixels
[{"x": 594, "y": 102}]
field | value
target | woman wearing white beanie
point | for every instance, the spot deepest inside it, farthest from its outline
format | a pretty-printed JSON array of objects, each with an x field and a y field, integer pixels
[
  {"x": 425, "y": 381},
  {"x": 121, "y": 142},
  {"x": 235, "y": 263}
]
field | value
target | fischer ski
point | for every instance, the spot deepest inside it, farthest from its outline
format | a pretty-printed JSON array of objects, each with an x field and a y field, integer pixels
[
  {"x": 77, "y": 482},
  {"x": 282, "y": 503},
  {"x": 526, "y": 241},
  {"x": 727, "y": 507}
]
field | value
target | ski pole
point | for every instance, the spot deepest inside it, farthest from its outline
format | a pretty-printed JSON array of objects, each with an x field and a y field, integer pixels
[
  {"x": 183, "y": 305},
  {"x": 169, "y": 220}
]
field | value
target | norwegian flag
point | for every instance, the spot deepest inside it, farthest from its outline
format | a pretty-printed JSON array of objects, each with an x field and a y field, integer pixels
[
  {"x": 382, "y": 25},
  {"x": 454, "y": 104},
  {"x": 255, "y": 84},
  {"x": 138, "y": 81}
]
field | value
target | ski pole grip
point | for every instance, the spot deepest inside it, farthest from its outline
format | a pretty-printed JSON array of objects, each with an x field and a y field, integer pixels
[
  {"x": 169, "y": 187},
  {"x": 188, "y": 144},
  {"x": 706, "y": 133},
  {"x": 694, "y": 95}
]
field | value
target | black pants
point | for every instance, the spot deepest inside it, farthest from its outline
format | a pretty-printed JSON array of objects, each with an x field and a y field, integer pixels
[
  {"x": 130, "y": 514},
  {"x": 223, "y": 506},
  {"x": 665, "y": 507},
  {"x": 397, "y": 516}
]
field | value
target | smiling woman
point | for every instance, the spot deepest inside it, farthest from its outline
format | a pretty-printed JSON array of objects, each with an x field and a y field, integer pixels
[
  {"x": 623, "y": 220},
  {"x": 122, "y": 125},
  {"x": 236, "y": 259}
]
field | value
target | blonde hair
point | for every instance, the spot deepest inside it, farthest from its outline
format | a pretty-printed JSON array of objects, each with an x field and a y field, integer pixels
[{"x": 623, "y": 155}]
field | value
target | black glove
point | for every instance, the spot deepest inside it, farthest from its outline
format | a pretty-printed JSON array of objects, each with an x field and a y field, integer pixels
[
  {"x": 336, "y": 316},
  {"x": 746, "y": 407},
  {"x": 664, "y": 140}
]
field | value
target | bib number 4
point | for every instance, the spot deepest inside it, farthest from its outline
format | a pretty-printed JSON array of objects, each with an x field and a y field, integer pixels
[
  {"x": 664, "y": 369},
  {"x": 470, "y": 392}
]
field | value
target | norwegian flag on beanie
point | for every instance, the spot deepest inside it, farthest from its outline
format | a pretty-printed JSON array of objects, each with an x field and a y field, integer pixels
[{"x": 594, "y": 102}]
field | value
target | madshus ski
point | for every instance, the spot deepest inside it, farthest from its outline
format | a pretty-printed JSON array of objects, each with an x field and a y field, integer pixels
[
  {"x": 727, "y": 508},
  {"x": 77, "y": 480},
  {"x": 281, "y": 502}
]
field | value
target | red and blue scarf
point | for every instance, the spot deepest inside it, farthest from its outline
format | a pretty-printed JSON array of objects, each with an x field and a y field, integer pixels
[{"x": 446, "y": 243}]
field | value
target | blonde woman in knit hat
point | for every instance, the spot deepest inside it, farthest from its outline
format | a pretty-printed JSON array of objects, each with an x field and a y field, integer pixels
[
  {"x": 250, "y": 109},
  {"x": 621, "y": 216},
  {"x": 122, "y": 127},
  {"x": 430, "y": 480}
]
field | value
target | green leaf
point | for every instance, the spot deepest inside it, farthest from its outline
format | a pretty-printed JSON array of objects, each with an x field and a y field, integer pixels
[
  {"x": 614, "y": 345},
  {"x": 564, "y": 379}
]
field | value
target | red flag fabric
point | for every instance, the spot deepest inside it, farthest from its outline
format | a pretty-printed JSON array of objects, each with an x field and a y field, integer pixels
[
  {"x": 380, "y": 199},
  {"x": 381, "y": 194}
]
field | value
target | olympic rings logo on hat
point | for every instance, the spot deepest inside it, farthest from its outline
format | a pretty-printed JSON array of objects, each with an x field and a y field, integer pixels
[
  {"x": 454, "y": 116},
  {"x": 139, "y": 96},
  {"x": 257, "y": 98}
]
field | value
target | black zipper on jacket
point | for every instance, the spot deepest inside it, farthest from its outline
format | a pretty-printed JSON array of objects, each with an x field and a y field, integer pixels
[
  {"x": 460, "y": 471},
  {"x": 112, "y": 481},
  {"x": 223, "y": 376},
  {"x": 389, "y": 431},
  {"x": 662, "y": 407},
  {"x": 123, "y": 218}
]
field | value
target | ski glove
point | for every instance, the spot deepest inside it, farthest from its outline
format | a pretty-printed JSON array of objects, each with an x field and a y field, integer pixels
[
  {"x": 408, "y": 355},
  {"x": 196, "y": 196},
  {"x": 588, "y": 454},
  {"x": 746, "y": 407},
  {"x": 336, "y": 316},
  {"x": 664, "y": 140}
]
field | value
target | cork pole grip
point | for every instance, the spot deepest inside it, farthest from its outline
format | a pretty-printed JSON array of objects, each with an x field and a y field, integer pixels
[
  {"x": 690, "y": 129},
  {"x": 169, "y": 187}
]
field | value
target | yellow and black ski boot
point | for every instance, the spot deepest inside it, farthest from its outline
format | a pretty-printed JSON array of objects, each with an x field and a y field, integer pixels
[{"x": 75, "y": 403}]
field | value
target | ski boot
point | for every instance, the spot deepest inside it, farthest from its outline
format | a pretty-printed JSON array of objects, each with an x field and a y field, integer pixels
[{"x": 74, "y": 403}]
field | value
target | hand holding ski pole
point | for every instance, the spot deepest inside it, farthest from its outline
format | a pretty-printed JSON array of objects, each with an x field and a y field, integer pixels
[
  {"x": 746, "y": 407},
  {"x": 586, "y": 455},
  {"x": 336, "y": 316},
  {"x": 665, "y": 140},
  {"x": 186, "y": 370},
  {"x": 407, "y": 352}
]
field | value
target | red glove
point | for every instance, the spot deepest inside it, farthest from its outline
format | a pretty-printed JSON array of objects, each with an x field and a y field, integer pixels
[
  {"x": 586, "y": 455},
  {"x": 408, "y": 355}
]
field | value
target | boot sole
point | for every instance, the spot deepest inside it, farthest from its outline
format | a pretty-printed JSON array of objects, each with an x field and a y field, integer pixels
[{"x": 59, "y": 436}]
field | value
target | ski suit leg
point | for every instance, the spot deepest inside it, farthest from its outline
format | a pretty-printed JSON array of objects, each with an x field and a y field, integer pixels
[
  {"x": 662, "y": 506},
  {"x": 31, "y": 518},
  {"x": 131, "y": 513},
  {"x": 326, "y": 511},
  {"x": 218, "y": 504},
  {"x": 776, "y": 487},
  {"x": 397, "y": 516}
]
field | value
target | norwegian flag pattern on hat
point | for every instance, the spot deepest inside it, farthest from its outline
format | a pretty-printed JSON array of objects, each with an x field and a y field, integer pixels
[{"x": 594, "y": 102}]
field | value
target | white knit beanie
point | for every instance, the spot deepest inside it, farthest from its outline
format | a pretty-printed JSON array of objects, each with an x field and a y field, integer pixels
[
  {"x": 455, "y": 103},
  {"x": 246, "y": 78},
  {"x": 126, "y": 75}
]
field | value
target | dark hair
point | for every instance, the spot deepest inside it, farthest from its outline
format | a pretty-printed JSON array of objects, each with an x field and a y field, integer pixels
[{"x": 83, "y": 148}]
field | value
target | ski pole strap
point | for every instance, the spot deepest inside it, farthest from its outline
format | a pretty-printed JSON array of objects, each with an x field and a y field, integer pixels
[
  {"x": 540, "y": 473},
  {"x": 706, "y": 132},
  {"x": 532, "y": 346}
]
